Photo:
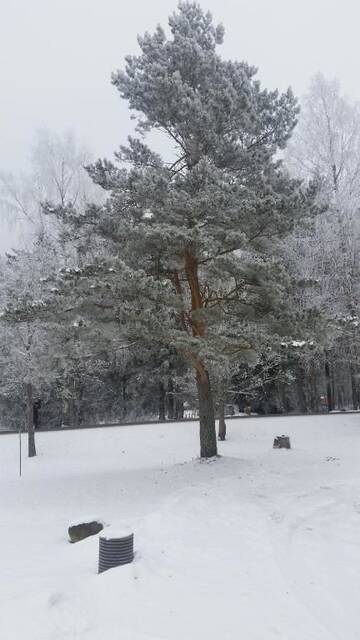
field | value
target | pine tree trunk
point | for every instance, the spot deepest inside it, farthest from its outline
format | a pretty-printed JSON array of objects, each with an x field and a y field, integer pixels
[
  {"x": 123, "y": 389},
  {"x": 222, "y": 423},
  {"x": 171, "y": 400},
  {"x": 30, "y": 420},
  {"x": 179, "y": 409},
  {"x": 341, "y": 397},
  {"x": 302, "y": 390},
  {"x": 208, "y": 444},
  {"x": 333, "y": 387},
  {"x": 36, "y": 414},
  {"x": 329, "y": 391},
  {"x": 71, "y": 403},
  {"x": 73, "y": 413},
  {"x": 77, "y": 412},
  {"x": 354, "y": 387},
  {"x": 162, "y": 397},
  {"x": 314, "y": 404}
]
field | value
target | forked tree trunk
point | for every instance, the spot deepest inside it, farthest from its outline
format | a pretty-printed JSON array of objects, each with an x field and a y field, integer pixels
[
  {"x": 208, "y": 444},
  {"x": 222, "y": 423},
  {"x": 30, "y": 420}
]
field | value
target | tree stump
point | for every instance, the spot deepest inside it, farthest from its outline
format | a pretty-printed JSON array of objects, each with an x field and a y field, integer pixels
[
  {"x": 282, "y": 442},
  {"x": 83, "y": 530}
]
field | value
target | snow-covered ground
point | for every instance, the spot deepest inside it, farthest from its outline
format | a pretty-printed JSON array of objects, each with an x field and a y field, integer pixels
[{"x": 259, "y": 544}]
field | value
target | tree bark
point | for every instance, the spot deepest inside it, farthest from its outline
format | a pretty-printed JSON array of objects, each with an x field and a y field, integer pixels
[
  {"x": 123, "y": 393},
  {"x": 72, "y": 408},
  {"x": 170, "y": 400},
  {"x": 36, "y": 414},
  {"x": 302, "y": 390},
  {"x": 73, "y": 412},
  {"x": 333, "y": 387},
  {"x": 179, "y": 409},
  {"x": 162, "y": 397},
  {"x": 329, "y": 391},
  {"x": 30, "y": 419},
  {"x": 354, "y": 386},
  {"x": 314, "y": 404},
  {"x": 208, "y": 444},
  {"x": 341, "y": 397},
  {"x": 221, "y": 409}
]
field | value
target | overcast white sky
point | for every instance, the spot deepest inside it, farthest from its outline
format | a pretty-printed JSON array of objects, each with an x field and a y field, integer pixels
[{"x": 56, "y": 57}]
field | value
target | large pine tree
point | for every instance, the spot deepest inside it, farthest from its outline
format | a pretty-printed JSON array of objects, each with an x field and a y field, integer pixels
[{"x": 191, "y": 239}]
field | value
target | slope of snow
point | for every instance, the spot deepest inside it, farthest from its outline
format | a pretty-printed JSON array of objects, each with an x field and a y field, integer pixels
[{"x": 259, "y": 544}]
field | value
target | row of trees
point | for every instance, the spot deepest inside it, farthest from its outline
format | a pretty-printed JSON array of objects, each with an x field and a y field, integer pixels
[{"x": 224, "y": 270}]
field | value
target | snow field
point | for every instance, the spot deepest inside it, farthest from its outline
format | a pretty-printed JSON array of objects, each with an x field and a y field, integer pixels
[{"x": 258, "y": 544}]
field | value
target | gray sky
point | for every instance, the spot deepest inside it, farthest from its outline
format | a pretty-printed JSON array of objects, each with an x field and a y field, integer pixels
[{"x": 56, "y": 57}]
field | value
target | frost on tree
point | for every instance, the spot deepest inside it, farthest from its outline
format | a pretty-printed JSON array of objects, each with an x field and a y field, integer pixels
[
  {"x": 326, "y": 143},
  {"x": 190, "y": 239},
  {"x": 27, "y": 338}
]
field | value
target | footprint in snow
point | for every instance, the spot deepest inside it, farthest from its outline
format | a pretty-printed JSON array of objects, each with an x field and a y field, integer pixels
[
  {"x": 55, "y": 599},
  {"x": 275, "y": 516}
]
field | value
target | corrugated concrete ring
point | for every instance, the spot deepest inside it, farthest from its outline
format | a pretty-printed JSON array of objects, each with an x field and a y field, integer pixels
[{"x": 114, "y": 552}]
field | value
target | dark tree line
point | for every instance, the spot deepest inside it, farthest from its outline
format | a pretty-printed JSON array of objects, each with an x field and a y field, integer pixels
[{"x": 214, "y": 278}]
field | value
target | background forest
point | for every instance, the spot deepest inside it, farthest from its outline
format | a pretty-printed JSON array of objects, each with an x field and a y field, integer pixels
[{"x": 219, "y": 276}]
